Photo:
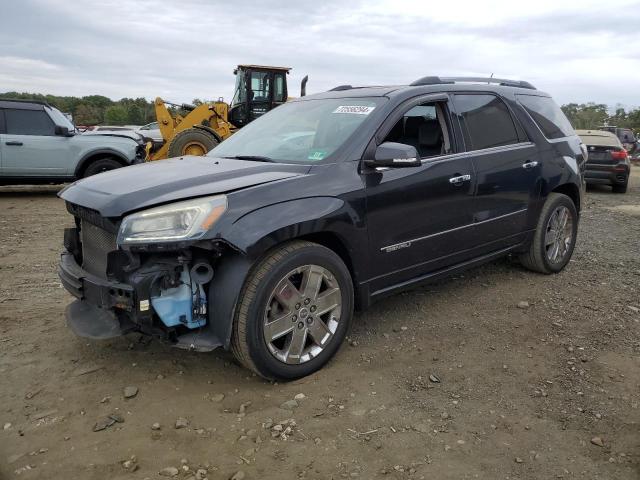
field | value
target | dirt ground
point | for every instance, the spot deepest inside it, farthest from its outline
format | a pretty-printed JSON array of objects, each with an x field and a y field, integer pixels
[{"x": 548, "y": 390}]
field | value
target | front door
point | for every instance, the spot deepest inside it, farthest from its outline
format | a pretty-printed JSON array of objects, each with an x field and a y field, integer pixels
[
  {"x": 418, "y": 218},
  {"x": 30, "y": 147}
]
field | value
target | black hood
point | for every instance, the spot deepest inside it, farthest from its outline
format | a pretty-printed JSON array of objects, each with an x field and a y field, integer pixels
[{"x": 123, "y": 190}]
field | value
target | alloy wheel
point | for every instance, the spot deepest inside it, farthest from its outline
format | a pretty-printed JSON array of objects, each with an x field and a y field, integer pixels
[
  {"x": 559, "y": 234},
  {"x": 302, "y": 314}
]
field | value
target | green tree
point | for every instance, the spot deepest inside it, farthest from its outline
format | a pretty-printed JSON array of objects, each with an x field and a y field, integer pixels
[
  {"x": 86, "y": 115},
  {"x": 115, "y": 115},
  {"x": 586, "y": 115},
  {"x": 135, "y": 115}
]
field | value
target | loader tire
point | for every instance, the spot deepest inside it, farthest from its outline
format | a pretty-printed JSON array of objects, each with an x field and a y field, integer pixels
[{"x": 192, "y": 141}]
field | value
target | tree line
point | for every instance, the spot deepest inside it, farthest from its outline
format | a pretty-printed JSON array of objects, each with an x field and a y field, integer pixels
[
  {"x": 100, "y": 110},
  {"x": 593, "y": 115},
  {"x": 97, "y": 109}
]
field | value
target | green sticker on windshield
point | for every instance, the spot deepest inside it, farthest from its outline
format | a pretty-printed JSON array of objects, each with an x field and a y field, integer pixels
[{"x": 317, "y": 155}]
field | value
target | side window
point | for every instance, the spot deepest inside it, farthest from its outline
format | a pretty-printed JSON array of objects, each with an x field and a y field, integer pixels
[
  {"x": 278, "y": 95},
  {"x": 425, "y": 127},
  {"x": 28, "y": 122},
  {"x": 1, "y": 121},
  {"x": 547, "y": 115},
  {"x": 486, "y": 121}
]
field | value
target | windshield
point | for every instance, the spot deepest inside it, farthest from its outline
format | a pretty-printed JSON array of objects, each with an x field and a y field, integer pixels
[
  {"x": 60, "y": 119},
  {"x": 303, "y": 131}
]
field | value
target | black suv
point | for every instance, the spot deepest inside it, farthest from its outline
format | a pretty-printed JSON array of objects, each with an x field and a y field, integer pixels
[{"x": 325, "y": 204}]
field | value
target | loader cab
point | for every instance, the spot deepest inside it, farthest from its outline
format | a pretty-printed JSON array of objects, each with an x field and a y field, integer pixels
[{"x": 258, "y": 89}]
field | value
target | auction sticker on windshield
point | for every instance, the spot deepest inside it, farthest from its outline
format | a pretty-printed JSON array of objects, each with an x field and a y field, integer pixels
[
  {"x": 357, "y": 109},
  {"x": 317, "y": 155}
]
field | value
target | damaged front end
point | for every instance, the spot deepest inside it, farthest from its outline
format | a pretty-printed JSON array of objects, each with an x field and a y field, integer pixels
[{"x": 149, "y": 272}]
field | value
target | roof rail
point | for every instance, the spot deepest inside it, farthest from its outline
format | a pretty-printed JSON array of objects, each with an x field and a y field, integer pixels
[
  {"x": 432, "y": 80},
  {"x": 340, "y": 87},
  {"x": 22, "y": 100}
]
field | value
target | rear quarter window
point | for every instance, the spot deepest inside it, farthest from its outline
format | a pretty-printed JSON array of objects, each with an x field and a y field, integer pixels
[{"x": 547, "y": 115}]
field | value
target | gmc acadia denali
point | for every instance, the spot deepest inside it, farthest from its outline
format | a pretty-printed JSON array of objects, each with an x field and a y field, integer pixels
[{"x": 327, "y": 203}]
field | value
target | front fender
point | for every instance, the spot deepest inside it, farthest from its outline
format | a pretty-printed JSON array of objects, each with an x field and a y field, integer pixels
[{"x": 258, "y": 231}]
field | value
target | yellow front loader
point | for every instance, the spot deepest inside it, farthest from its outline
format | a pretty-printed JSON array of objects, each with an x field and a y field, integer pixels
[{"x": 258, "y": 89}]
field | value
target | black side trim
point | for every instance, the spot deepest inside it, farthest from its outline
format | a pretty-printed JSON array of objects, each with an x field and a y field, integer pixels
[{"x": 445, "y": 272}]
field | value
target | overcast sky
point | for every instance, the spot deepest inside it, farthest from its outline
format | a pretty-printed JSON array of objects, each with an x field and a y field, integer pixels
[{"x": 183, "y": 49}]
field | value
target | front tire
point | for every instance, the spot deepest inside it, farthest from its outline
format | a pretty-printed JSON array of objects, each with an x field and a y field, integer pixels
[
  {"x": 101, "y": 165},
  {"x": 555, "y": 236},
  {"x": 294, "y": 311}
]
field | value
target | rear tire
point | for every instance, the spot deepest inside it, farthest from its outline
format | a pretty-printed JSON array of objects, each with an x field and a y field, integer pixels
[
  {"x": 621, "y": 188},
  {"x": 553, "y": 242},
  {"x": 101, "y": 165},
  {"x": 285, "y": 333},
  {"x": 192, "y": 141}
]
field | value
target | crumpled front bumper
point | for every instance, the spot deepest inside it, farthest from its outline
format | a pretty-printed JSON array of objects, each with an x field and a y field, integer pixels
[{"x": 102, "y": 307}]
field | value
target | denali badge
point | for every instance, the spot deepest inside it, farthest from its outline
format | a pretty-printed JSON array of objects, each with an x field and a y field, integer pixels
[{"x": 395, "y": 247}]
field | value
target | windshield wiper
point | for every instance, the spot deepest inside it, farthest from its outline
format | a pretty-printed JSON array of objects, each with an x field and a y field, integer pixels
[{"x": 254, "y": 158}]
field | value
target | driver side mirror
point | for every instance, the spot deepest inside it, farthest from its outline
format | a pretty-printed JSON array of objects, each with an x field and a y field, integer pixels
[
  {"x": 394, "y": 155},
  {"x": 63, "y": 131}
]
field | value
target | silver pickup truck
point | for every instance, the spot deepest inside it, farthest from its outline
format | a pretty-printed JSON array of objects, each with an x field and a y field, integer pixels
[{"x": 38, "y": 144}]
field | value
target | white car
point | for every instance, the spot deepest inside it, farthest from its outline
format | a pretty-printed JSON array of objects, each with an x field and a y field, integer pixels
[{"x": 151, "y": 130}]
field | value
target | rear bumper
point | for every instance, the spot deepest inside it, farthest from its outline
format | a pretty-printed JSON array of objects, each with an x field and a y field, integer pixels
[{"x": 606, "y": 174}]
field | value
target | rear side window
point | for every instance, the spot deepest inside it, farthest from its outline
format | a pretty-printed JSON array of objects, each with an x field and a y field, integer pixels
[
  {"x": 28, "y": 122},
  {"x": 547, "y": 115},
  {"x": 486, "y": 121}
]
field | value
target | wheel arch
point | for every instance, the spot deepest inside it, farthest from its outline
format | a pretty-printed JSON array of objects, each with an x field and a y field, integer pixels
[
  {"x": 571, "y": 191},
  {"x": 94, "y": 155},
  {"x": 336, "y": 244},
  {"x": 209, "y": 130}
]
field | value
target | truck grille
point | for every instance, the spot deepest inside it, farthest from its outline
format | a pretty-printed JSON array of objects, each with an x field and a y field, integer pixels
[{"x": 96, "y": 245}]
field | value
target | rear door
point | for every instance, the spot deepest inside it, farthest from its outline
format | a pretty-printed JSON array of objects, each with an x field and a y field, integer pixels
[
  {"x": 30, "y": 147},
  {"x": 507, "y": 169},
  {"x": 418, "y": 218}
]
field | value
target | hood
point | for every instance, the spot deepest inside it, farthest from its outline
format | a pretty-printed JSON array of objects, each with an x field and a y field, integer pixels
[
  {"x": 100, "y": 136},
  {"x": 123, "y": 190}
]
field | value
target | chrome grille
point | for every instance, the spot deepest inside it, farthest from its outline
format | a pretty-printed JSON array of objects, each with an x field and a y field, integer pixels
[{"x": 96, "y": 244}]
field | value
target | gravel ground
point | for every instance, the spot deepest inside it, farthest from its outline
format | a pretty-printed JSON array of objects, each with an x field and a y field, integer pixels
[{"x": 498, "y": 374}]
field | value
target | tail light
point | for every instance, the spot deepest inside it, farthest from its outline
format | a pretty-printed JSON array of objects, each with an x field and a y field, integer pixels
[{"x": 619, "y": 154}]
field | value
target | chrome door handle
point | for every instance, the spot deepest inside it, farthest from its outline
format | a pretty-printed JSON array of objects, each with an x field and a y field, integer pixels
[
  {"x": 460, "y": 179},
  {"x": 529, "y": 165}
]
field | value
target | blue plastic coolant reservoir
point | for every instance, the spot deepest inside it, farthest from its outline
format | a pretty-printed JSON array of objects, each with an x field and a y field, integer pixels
[{"x": 174, "y": 306}]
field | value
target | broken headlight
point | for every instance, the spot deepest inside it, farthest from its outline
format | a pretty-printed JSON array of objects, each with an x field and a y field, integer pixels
[{"x": 188, "y": 220}]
